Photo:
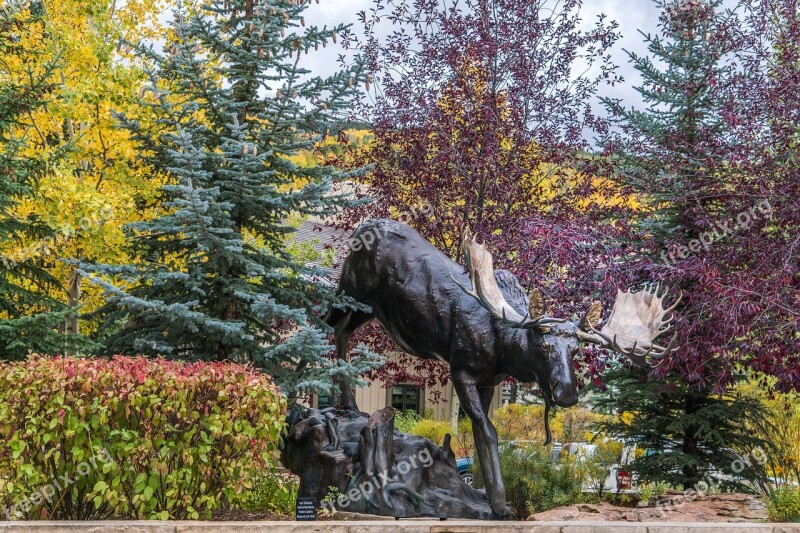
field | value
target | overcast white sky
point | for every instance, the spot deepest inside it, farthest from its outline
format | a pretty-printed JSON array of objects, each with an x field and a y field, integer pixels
[{"x": 631, "y": 15}]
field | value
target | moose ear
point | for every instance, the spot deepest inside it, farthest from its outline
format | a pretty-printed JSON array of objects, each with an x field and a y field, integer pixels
[
  {"x": 592, "y": 316},
  {"x": 536, "y": 308}
]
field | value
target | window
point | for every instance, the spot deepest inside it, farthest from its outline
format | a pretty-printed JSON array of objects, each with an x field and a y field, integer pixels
[{"x": 406, "y": 398}]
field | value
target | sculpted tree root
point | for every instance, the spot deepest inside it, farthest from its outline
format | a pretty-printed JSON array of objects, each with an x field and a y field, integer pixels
[{"x": 374, "y": 468}]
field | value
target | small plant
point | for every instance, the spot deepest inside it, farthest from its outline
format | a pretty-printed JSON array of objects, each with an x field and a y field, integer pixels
[
  {"x": 273, "y": 491},
  {"x": 651, "y": 490},
  {"x": 329, "y": 501},
  {"x": 596, "y": 466},
  {"x": 405, "y": 421},
  {"x": 625, "y": 500},
  {"x": 784, "y": 504},
  {"x": 464, "y": 445}
]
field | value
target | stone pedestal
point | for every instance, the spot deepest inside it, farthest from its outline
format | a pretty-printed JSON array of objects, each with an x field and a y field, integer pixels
[{"x": 351, "y": 461}]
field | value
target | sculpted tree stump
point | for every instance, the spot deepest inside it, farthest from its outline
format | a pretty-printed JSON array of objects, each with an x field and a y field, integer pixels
[{"x": 374, "y": 468}]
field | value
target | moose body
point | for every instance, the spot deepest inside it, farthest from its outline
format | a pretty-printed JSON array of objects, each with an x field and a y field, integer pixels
[
  {"x": 420, "y": 297},
  {"x": 410, "y": 286}
]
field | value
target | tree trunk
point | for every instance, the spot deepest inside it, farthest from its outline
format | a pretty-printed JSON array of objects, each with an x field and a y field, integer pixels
[
  {"x": 73, "y": 326},
  {"x": 690, "y": 475}
]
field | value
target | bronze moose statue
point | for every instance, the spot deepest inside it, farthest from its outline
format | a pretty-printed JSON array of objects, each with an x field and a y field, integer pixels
[{"x": 483, "y": 326}]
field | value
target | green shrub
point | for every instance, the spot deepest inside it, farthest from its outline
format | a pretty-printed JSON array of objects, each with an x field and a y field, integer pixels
[
  {"x": 432, "y": 430},
  {"x": 405, "y": 421},
  {"x": 784, "y": 504},
  {"x": 131, "y": 437},
  {"x": 596, "y": 466},
  {"x": 273, "y": 491},
  {"x": 535, "y": 484},
  {"x": 552, "y": 485}
]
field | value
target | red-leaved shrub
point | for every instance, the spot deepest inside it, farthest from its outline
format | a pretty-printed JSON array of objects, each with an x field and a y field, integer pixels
[{"x": 131, "y": 437}]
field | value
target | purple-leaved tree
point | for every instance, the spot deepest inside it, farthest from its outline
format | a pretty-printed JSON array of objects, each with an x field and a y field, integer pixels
[
  {"x": 480, "y": 112},
  {"x": 713, "y": 155}
]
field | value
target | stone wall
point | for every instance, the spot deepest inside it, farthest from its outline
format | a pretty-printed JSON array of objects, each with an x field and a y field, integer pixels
[
  {"x": 383, "y": 526},
  {"x": 669, "y": 507}
]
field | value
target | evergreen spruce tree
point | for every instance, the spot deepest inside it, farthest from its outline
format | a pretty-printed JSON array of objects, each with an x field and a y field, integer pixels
[
  {"x": 673, "y": 151},
  {"x": 233, "y": 103},
  {"x": 694, "y": 440},
  {"x": 30, "y": 321},
  {"x": 678, "y": 154}
]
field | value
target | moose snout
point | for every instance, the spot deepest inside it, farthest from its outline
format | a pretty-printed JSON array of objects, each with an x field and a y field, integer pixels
[{"x": 564, "y": 394}]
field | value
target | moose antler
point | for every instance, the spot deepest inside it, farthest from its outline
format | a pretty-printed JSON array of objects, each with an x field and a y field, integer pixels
[
  {"x": 636, "y": 321},
  {"x": 487, "y": 292}
]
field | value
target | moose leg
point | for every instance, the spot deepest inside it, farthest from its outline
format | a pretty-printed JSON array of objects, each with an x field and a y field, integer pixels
[
  {"x": 472, "y": 400},
  {"x": 487, "y": 393},
  {"x": 486, "y": 401},
  {"x": 548, "y": 404},
  {"x": 344, "y": 326}
]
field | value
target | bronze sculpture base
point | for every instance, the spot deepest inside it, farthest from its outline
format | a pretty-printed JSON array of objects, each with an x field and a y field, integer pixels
[{"x": 351, "y": 461}]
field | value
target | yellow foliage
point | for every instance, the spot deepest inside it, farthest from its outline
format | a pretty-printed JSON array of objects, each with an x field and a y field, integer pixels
[
  {"x": 331, "y": 149},
  {"x": 100, "y": 185},
  {"x": 782, "y": 428},
  {"x": 433, "y": 430},
  {"x": 522, "y": 423},
  {"x": 436, "y": 430},
  {"x": 576, "y": 424},
  {"x": 517, "y": 422}
]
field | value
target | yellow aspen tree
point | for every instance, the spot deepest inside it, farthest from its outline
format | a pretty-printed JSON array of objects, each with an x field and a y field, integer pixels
[{"x": 100, "y": 184}]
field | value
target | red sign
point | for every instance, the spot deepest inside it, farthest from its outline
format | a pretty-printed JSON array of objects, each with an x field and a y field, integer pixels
[{"x": 623, "y": 480}]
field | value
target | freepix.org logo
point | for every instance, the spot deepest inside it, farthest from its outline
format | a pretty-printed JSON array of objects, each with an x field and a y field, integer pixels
[
  {"x": 56, "y": 486},
  {"x": 364, "y": 490},
  {"x": 718, "y": 231}
]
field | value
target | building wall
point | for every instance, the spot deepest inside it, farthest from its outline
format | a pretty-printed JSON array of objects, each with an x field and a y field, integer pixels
[{"x": 375, "y": 396}]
